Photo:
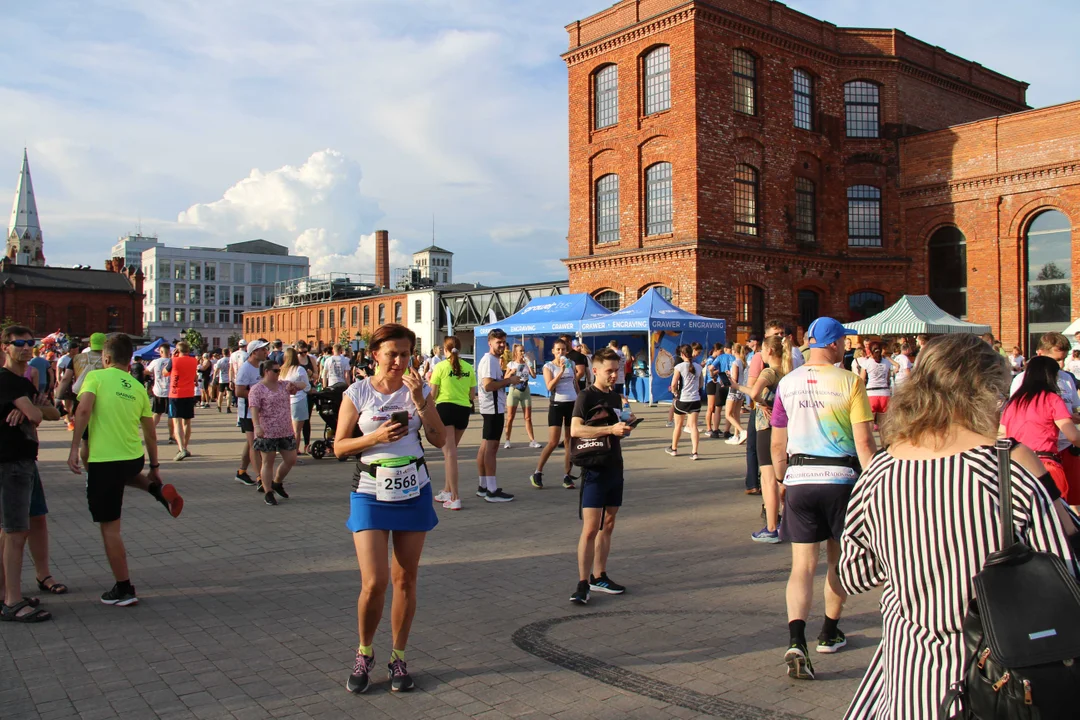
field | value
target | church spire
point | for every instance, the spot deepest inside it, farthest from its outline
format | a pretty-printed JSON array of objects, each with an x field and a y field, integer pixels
[{"x": 24, "y": 230}]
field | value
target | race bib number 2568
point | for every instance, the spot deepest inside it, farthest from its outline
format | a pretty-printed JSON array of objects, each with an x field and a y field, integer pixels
[{"x": 397, "y": 484}]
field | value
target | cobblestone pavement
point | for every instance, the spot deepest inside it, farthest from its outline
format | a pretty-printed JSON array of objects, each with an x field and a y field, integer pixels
[{"x": 249, "y": 612}]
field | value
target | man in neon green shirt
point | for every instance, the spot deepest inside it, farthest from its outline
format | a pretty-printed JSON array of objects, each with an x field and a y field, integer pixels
[{"x": 113, "y": 406}]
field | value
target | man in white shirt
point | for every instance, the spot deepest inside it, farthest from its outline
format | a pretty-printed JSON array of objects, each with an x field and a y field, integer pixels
[
  {"x": 221, "y": 376},
  {"x": 797, "y": 358},
  {"x": 492, "y": 399},
  {"x": 337, "y": 368},
  {"x": 159, "y": 371},
  {"x": 236, "y": 359}
]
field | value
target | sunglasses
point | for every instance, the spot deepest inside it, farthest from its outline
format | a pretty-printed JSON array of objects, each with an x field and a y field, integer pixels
[
  {"x": 22, "y": 343},
  {"x": 274, "y": 370}
]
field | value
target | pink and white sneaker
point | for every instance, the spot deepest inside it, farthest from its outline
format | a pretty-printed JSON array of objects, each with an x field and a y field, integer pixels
[{"x": 452, "y": 504}]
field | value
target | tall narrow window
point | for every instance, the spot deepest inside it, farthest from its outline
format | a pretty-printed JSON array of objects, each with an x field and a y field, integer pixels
[
  {"x": 607, "y": 209},
  {"x": 341, "y": 317},
  {"x": 862, "y": 106},
  {"x": 803, "y": 94},
  {"x": 367, "y": 315},
  {"x": 809, "y": 307},
  {"x": 1049, "y": 275},
  {"x": 658, "y": 209},
  {"x": 333, "y": 313},
  {"x": 398, "y": 313},
  {"x": 322, "y": 319},
  {"x": 352, "y": 316},
  {"x": 947, "y": 265},
  {"x": 113, "y": 322},
  {"x": 750, "y": 310},
  {"x": 746, "y": 200},
  {"x": 607, "y": 96},
  {"x": 608, "y": 299},
  {"x": 744, "y": 75},
  {"x": 805, "y": 211},
  {"x": 382, "y": 314},
  {"x": 658, "y": 80},
  {"x": 864, "y": 216},
  {"x": 417, "y": 310}
]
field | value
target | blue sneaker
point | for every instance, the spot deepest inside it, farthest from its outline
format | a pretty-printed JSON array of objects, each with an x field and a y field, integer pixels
[{"x": 765, "y": 536}]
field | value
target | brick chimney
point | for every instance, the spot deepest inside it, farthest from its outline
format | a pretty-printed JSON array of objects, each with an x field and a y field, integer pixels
[{"x": 382, "y": 258}]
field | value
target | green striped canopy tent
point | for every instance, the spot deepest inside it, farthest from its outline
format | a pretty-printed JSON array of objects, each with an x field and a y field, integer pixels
[{"x": 914, "y": 314}]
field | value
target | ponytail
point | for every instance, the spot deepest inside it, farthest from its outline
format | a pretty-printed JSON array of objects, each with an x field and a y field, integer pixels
[
  {"x": 788, "y": 363},
  {"x": 686, "y": 352},
  {"x": 451, "y": 346}
]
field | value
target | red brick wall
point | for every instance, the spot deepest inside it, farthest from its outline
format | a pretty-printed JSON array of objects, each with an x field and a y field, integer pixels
[
  {"x": 64, "y": 310},
  {"x": 302, "y": 323}
]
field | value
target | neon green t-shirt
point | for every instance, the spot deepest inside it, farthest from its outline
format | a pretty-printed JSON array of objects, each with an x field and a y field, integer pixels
[
  {"x": 120, "y": 403},
  {"x": 453, "y": 389}
]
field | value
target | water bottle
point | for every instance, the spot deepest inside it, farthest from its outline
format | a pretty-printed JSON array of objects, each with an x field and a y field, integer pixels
[{"x": 624, "y": 415}]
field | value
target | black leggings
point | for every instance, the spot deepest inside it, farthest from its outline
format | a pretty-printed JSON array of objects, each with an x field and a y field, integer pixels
[{"x": 307, "y": 423}]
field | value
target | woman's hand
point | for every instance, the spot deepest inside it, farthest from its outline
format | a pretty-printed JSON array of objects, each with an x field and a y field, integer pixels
[
  {"x": 258, "y": 431},
  {"x": 416, "y": 387},
  {"x": 390, "y": 432}
]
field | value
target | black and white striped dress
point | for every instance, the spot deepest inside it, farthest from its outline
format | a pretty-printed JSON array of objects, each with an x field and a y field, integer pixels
[{"x": 924, "y": 528}]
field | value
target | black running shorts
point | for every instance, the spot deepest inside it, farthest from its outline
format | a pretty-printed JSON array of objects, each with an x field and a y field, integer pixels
[
  {"x": 560, "y": 413},
  {"x": 493, "y": 426},
  {"x": 105, "y": 483},
  {"x": 814, "y": 512}
]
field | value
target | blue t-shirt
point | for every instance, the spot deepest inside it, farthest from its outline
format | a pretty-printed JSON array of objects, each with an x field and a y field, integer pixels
[
  {"x": 42, "y": 366},
  {"x": 723, "y": 362}
]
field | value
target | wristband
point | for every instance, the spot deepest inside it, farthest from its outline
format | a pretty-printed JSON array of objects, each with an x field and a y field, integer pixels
[{"x": 155, "y": 467}]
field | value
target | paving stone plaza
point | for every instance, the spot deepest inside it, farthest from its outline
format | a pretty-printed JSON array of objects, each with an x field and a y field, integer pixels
[{"x": 248, "y": 611}]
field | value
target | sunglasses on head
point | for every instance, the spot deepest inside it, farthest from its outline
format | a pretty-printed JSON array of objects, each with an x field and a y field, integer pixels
[{"x": 22, "y": 343}]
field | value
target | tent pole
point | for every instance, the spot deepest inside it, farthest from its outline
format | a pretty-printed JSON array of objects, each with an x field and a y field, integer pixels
[{"x": 652, "y": 403}]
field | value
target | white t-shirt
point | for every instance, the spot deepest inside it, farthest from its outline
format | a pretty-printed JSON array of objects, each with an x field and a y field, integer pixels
[
  {"x": 521, "y": 369},
  {"x": 904, "y": 365},
  {"x": 297, "y": 374},
  {"x": 877, "y": 376},
  {"x": 221, "y": 370},
  {"x": 491, "y": 403},
  {"x": 1067, "y": 390},
  {"x": 691, "y": 375},
  {"x": 565, "y": 386},
  {"x": 247, "y": 375},
  {"x": 159, "y": 369},
  {"x": 797, "y": 359},
  {"x": 1072, "y": 366},
  {"x": 621, "y": 377},
  {"x": 1015, "y": 363},
  {"x": 235, "y": 360},
  {"x": 337, "y": 370},
  {"x": 374, "y": 409}
]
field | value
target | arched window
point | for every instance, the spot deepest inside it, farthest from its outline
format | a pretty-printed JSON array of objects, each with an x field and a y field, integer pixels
[
  {"x": 382, "y": 314},
  {"x": 606, "y": 88},
  {"x": 607, "y": 209},
  {"x": 865, "y": 303},
  {"x": 662, "y": 290},
  {"x": 947, "y": 263},
  {"x": 322, "y": 319},
  {"x": 332, "y": 314},
  {"x": 398, "y": 313},
  {"x": 744, "y": 76},
  {"x": 271, "y": 323},
  {"x": 310, "y": 318},
  {"x": 809, "y": 307},
  {"x": 609, "y": 299},
  {"x": 862, "y": 109},
  {"x": 750, "y": 310},
  {"x": 746, "y": 199},
  {"x": 352, "y": 316},
  {"x": 658, "y": 210},
  {"x": 658, "y": 80},
  {"x": 367, "y": 315},
  {"x": 805, "y": 211},
  {"x": 864, "y": 216},
  {"x": 341, "y": 317},
  {"x": 803, "y": 97},
  {"x": 113, "y": 323},
  {"x": 1049, "y": 275}
]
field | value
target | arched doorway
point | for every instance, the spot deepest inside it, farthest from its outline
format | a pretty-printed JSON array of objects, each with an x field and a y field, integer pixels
[
  {"x": 947, "y": 261},
  {"x": 1049, "y": 275}
]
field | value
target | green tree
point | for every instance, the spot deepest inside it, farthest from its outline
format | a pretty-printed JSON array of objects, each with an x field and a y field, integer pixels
[
  {"x": 5, "y": 323},
  {"x": 195, "y": 340},
  {"x": 234, "y": 340},
  {"x": 344, "y": 338}
]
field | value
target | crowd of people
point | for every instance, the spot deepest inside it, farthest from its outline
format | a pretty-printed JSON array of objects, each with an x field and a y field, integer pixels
[{"x": 811, "y": 417}]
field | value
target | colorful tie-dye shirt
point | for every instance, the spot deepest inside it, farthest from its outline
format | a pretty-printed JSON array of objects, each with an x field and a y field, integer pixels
[{"x": 818, "y": 404}]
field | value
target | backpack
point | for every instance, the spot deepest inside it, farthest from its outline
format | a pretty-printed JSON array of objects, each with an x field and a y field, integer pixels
[{"x": 1021, "y": 631}]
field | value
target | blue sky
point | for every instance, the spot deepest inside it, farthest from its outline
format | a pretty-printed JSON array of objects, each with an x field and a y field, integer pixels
[{"x": 313, "y": 124}]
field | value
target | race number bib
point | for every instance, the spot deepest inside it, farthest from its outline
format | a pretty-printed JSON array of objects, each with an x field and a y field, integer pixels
[{"x": 394, "y": 484}]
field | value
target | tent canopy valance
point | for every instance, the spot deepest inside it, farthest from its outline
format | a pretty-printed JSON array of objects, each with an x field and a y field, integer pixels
[
  {"x": 549, "y": 316},
  {"x": 915, "y": 314},
  {"x": 652, "y": 312}
]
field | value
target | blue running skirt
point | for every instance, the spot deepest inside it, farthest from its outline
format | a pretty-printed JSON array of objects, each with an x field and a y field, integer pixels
[{"x": 416, "y": 515}]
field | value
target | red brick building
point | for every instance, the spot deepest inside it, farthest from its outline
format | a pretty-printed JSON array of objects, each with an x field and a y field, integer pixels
[
  {"x": 76, "y": 301},
  {"x": 746, "y": 156},
  {"x": 325, "y": 322},
  {"x": 989, "y": 208}
]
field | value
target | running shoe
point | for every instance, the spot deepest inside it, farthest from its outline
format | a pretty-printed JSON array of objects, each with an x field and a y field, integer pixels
[
  {"x": 742, "y": 438},
  {"x": 481, "y": 492},
  {"x": 669, "y": 424},
  {"x": 568, "y": 482},
  {"x": 118, "y": 597},
  {"x": 537, "y": 480},
  {"x": 798, "y": 664},
  {"x": 452, "y": 504},
  {"x": 693, "y": 456},
  {"x": 399, "y": 677},
  {"x": 498, "y": 496},
  {"x": 581, "y": 594},
  {"x": 242, "y": 476},
  {"x": 832, "y": 644},
  {"x": 279, "y": 488},
  {"x": 533, "y": 444},
  {"x": 732, "y": 439},
  {"x": 182, "y": 455},
  {"x": 764, "y": 535},
  {"x": 671, "y": 451},
  {"x": 506, "y": 445},
  {"x": 172, "y": 500},
  {"x": 442, "y": 497},
  {"x": 170, "y": 441},
  {"x": 269, "y": 498},
  {"x": 604, "y": 584},
  {"x": 360, "y": 679}
]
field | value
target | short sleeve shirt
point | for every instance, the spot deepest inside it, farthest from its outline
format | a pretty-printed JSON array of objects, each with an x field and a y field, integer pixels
[
  {"x": 19, "y": 442},
  {"x": 454, "y": 389},
  {"x": 1067, "y": 391},
  {"x": 221, "y": 369},
  {"x": 273, "y": 406},
  {"x": 120, "y": 404},
  {"x": 904, "y": 366},
  {"x": 1035, "y": 423},
  {"x": 491, "y": 403},
  {"x": 158, "y": 368},
  {"x": 690, "y": 375},
  {"x": 247, "y": 375},
  {"x": 602, "y": 408},
  {"x": 819, "y": 404},
  {"x": 565, "y": 387},
  {"x": 877, "y": 376},
  {"x": 374, "y": 409}
]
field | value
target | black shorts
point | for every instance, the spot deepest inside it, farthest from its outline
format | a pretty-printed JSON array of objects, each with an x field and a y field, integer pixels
[
  {"x": 814, "y": 512},
  {"x": 559, "y": 414},
  {"x": 246, "y": 425},
  {"x": 159, "y": 405},
  {"x": 182, "y": 408},
  {"x": 105, "y": 483},
  {"x": 710, "y": 388},
  {"x": 686, "y": 408},
  {"x": 222, "y": 386},
  {"x": 721, "y": 395},
  {"x": 493, "y": 427},
  {"x": 601, "y": 487},
  {"x": 764, "y": 446},
  {"x": 454, "y": 415}
]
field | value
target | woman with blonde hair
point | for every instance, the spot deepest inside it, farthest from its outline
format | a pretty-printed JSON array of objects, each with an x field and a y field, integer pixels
[
  {"x": 519, "y": 395},
  {"x": 733, "y": 407},
  {"x": 453, "y": 389},
  {"x": 927, "y": 508},
  {"x": 293, "y": 372}
]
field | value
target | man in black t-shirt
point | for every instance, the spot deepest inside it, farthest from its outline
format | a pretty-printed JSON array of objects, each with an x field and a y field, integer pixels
[
  {"x": 597, "y": 412},
  {"x": 581, "y": 363}
]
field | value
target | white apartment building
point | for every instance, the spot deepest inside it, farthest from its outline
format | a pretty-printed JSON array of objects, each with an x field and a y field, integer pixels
[
  {"x": 131, "y": 248},
  {"x": 209, "y": 289},
  {"x": 435, "y": 263}
]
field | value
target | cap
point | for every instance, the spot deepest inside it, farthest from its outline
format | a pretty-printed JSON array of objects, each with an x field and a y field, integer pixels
[
  {"x": 257, "y": 345},
  {"x": 97, "y": 341},
  {"x": 243, "y": 342},
  {"x": 825, "y": 331}
]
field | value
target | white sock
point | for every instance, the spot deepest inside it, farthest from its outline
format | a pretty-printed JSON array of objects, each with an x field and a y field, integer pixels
[{"x": 492, "y": 485}]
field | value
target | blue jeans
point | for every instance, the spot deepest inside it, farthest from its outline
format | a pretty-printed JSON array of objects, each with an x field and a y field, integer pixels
[{"x": 753, "y": 480}]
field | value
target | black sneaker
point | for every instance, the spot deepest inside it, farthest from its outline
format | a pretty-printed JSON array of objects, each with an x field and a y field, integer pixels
[
  {"x": 832, "y": 644},
  {"x": 604, "y": 584},
  {"x": 481, "y": 492},
  {"x": 118, "y": 597},
  {"x": 581, "y": 595},
  {"x": 399, "y": 677},
  {"x": 242, "y": 476},
  {"x": 279, "y": 488},
  {"x": 498, "y": 496},
  {"x": 798, "y": 663},
  {"x": 269, "y": 498},
  {"x": 568, "y": 482},
  {"x": 537, "y": 480},
  {"x": 360, "y": 679}
]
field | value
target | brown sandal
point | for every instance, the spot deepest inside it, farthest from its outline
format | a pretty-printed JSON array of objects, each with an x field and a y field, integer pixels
[{"x": 56, "y": 588}]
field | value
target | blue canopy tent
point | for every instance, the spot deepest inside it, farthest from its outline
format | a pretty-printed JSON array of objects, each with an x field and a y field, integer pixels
[
  {"x": 149, "y": 352},
  {"x": 667, "y": 327},
  {"x": 537, "y": 324}
]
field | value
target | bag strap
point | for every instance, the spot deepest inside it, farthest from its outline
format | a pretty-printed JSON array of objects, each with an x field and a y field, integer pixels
[{"x": 1004, "y": 447}]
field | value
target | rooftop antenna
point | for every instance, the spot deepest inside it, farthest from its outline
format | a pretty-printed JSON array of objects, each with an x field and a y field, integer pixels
[{"x": 432, "y": 228}]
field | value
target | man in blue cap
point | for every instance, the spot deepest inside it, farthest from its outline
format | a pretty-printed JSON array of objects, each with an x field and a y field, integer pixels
[{"x": 822, "y": 437}]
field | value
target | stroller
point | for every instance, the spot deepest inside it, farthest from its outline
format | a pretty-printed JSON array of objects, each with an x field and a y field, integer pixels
[{"x": 327, "y": 403}]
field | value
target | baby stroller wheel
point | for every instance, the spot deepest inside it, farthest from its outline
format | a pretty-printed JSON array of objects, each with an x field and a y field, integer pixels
[{"x": 318, "y": 450}]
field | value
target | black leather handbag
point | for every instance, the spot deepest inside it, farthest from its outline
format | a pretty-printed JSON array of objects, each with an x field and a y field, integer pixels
[{"x": 1021, "y": 632}]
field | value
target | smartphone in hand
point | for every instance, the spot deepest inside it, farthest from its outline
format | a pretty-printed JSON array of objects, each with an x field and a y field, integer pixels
[
  {"x": 400, "y": 417},
  {"x": 635, "y": 422}
]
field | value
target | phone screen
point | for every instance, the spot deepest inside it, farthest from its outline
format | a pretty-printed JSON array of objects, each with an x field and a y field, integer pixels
[
  {"x": 401, "y": 417},
  {"x": 635, "y": 422}
]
